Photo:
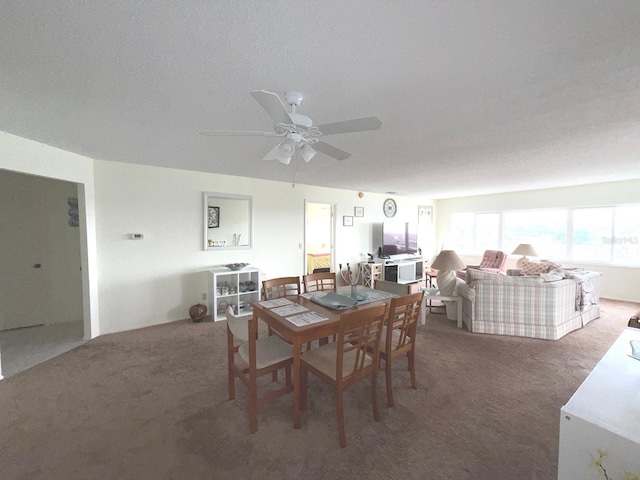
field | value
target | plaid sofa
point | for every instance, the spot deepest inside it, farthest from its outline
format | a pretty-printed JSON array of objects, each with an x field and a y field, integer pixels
[{"x": 528, "y": 306}]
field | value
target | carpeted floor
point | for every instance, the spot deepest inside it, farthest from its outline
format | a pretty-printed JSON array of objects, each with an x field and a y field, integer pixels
[{"x": 152, "y": 404}]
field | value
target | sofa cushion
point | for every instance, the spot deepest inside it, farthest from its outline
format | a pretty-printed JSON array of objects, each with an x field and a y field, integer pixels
[
  {"x": 475, "y": 275},
  {"x": 533, "y": 268}
]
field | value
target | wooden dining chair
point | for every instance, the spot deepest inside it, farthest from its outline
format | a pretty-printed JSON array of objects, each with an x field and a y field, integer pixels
[
  {"x": 260, "y": 356},
  {"x": 320, "y": 282},
  {"x": 347, "y": 360},
  {"x": 280, "y": 287},
  {"x": 314, "y": 282},
  {"x": 399, "y": 336}
]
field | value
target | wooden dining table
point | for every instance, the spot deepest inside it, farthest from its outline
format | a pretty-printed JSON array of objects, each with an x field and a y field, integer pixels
[{"x": 301, "y": 335}]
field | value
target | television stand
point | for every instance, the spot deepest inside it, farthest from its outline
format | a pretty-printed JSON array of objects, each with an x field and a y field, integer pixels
[{"x": 403, "y": 270}]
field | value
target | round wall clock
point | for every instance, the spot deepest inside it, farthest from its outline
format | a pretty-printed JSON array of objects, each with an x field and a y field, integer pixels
[{"x": 389, "y": 207}]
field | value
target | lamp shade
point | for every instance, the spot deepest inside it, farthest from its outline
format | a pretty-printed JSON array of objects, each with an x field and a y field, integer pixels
[
  {"x": 448, "y": 260},
  {"x": 525, "y": 249}
]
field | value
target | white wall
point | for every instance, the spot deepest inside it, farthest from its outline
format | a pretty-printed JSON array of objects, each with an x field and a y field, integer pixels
[
  {"x": 129, "y": 284},
  {"x": 618, "y": 282},
  {"x": 156, "y": 280}
]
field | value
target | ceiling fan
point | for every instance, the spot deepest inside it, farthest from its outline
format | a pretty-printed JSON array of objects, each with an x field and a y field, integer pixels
[{"x": 297, "y": 131}]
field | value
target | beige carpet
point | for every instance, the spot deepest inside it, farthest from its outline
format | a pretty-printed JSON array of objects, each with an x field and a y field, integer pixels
[{"x": 152, "y": 404}]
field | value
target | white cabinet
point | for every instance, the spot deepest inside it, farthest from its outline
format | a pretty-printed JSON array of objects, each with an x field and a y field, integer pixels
[
  {"x": 228, "y": 287},
  {"x": 604, "y": 414}
]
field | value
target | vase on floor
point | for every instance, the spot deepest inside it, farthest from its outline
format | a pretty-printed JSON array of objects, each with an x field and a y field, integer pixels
[{"x": 198, "y": 312}]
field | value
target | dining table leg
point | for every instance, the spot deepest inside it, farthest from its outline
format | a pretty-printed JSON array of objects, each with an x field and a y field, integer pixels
[{"x": 296, "y": 382}]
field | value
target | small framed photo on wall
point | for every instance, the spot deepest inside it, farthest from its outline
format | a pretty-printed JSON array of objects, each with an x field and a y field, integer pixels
[
  {"x": 347, "y": 221},
  {"x": 214, "y": 217},
  {"x": 358, "y": 211},
  {"x": 425, "y": 214}
]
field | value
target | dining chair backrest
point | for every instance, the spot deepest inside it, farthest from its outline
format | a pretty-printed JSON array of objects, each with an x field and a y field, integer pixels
[
  {"x": 280, "y": 287},
  {"x": 314, "y": 282},
  {"x": 239, "y": 325},
  {"x": 402, "y": 320},
  {"x": 358, "y": 336}
]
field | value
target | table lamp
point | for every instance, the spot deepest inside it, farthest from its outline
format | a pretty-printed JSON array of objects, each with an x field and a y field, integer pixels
[
  {"x": 524, "y": 249},
  {"x": 447, "y": 262}
]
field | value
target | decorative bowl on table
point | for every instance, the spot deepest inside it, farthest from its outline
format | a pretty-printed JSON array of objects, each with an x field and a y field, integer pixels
[{"x": 236, "y": 266}]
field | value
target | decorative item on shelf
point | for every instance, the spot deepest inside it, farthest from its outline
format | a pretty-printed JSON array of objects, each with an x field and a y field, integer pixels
[
  {"x": 198, "y": 312},
  {"x": 251, "y": 285},
  {"x": 447, "y": 262},
  {"x": 524, "y": 249},
  {"x": 222, "y": 305},
  {"x": 235, "y": 266},
  {"x": 350, "y": 278}
]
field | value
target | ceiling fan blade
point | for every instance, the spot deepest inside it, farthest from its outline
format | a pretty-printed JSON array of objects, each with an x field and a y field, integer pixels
[
  {"x": 273, "y": 106},
  {"x": 349, "y": 126},
  {"x": 330, "y": 150},
  {"x": 238, "y": 133}
]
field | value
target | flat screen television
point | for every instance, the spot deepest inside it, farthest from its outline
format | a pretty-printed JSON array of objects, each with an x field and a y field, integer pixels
[{"x": 399, "y": 238}]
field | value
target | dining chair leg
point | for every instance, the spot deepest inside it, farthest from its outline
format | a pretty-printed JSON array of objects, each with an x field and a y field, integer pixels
[
  {"x": 303, "y": 388},
  {"x": 253, "y": 404},
  {"x": 374, "y": 395},
  {"x": 340, "y": 414},
  {"x": 387, "y": 375},
  {"x": 232, "y": 379},
  {"x": 412, "y": 368}
]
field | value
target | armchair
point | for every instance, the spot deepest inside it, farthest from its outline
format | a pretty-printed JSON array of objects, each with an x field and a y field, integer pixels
[{"x": 492, "y": 261}]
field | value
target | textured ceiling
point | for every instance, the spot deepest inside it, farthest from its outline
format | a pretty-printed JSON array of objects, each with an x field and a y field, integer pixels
[{"x": 474, "y": 97}]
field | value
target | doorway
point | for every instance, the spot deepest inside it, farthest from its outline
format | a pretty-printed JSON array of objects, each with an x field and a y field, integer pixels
[
  {"x": 319, "y": 236},
  {"x": 41, "y": 303}
]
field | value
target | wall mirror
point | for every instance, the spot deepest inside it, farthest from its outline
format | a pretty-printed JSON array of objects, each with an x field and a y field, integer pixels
[{"x": 227, "y": 221}]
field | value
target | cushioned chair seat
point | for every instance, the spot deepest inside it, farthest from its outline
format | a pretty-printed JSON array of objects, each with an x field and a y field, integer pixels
[
  {"x": 269, "y": 350},
  {"x": 324, "y": 359}
]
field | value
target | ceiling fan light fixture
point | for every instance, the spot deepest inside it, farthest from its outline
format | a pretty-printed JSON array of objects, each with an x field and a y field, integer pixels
[
  {"x": 307, "y": 153},
  {"x": 286, "y": 149},
  {"x": 284, "y": 160}
]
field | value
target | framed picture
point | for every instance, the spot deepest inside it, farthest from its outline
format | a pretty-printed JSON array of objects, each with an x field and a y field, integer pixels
[
  {"x": 358, "y": 211},
  {"x": 425, "y": 214},
  {"x": 214, "y": 217},
  {"x": 347, "y": 221}
]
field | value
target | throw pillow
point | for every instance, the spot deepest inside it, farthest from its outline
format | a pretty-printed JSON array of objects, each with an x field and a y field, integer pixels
[{"x": 534, "y": 268}]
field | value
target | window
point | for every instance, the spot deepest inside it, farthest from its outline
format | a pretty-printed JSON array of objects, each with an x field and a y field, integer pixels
[
  {"x": 546, "y": 230},
  {"x": 591, "y": 226},
  {"x": 608, "y": 235},
  {"x": 626, "y": 236}
]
